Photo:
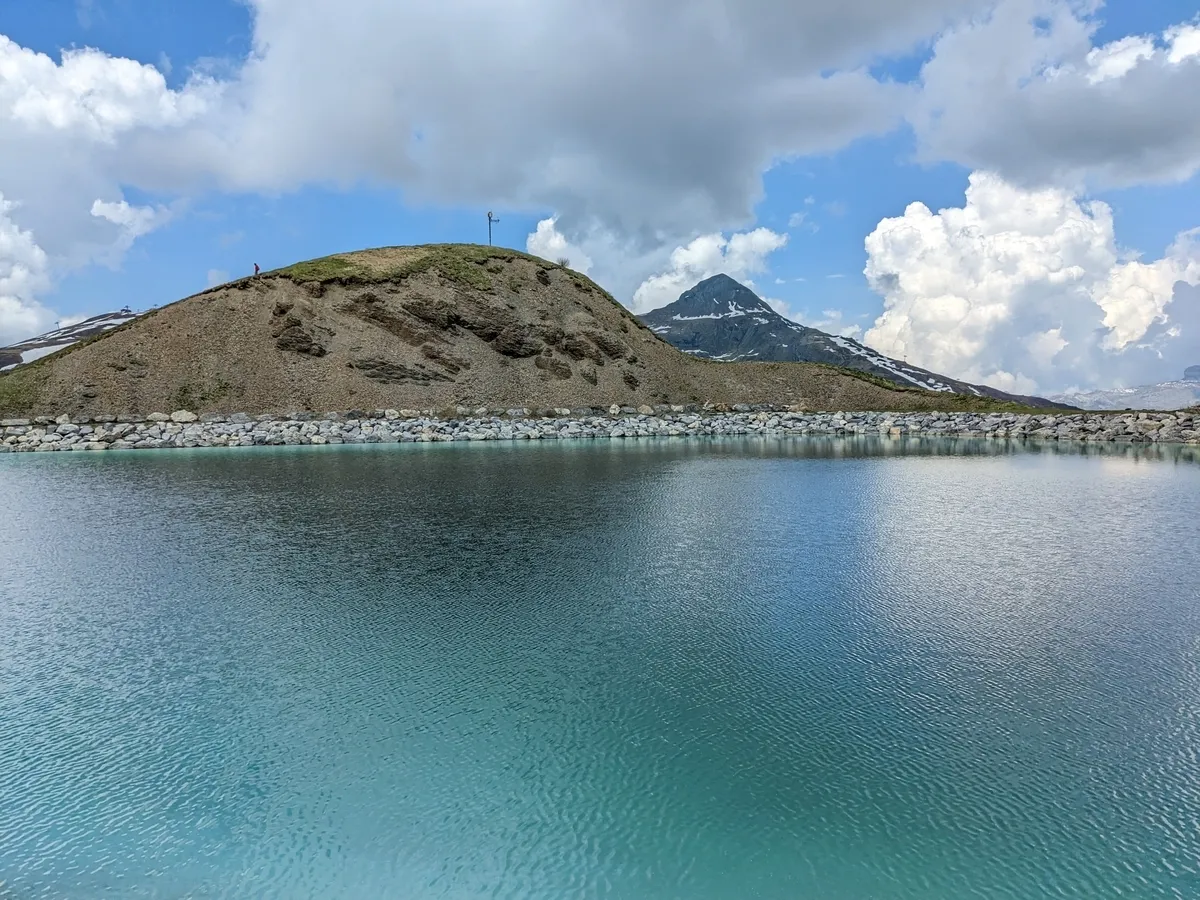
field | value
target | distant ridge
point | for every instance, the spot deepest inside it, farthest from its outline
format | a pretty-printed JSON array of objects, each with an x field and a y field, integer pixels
[
  {"x": 52, "y": 341},
  {"x": 1182, "y": 394},
  {"x": 721, "y": 319}
]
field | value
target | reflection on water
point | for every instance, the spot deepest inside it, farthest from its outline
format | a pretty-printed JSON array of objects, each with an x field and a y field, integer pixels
[{"x": 838, "y": 668}]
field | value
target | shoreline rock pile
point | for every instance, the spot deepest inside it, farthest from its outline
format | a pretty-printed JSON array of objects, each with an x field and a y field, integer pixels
[{"x": 182, "y": 428}]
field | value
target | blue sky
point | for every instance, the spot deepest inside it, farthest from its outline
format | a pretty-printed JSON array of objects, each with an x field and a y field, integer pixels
[{"x": 843, "y": 191}]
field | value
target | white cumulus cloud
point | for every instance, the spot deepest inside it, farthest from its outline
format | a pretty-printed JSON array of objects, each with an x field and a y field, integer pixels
[
  {"x": 1117, "y": 59},
  {"x": 739, "y": 256},
  {"x": 23, "y": 274},
  {"x": 91, "y": 94},
  {"x": 548, "y": 243},
  {"x": 133, "y": 221},
  {"x": 69, "y": 141},
  {"x": 1027, "y": 290}
]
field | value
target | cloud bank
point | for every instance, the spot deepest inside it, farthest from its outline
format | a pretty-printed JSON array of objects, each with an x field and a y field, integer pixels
[
  {"x": 1022, "y": 91},
  {"x": 1027, "y": 290}
]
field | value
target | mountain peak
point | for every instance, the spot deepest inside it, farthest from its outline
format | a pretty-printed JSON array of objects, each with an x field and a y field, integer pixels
[
  {"x": 731, "y": 297},
  {"x": 720, "y": 280},
  {"x": 721, "y": 319}
]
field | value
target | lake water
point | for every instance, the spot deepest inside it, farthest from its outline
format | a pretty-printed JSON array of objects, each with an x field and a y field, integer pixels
[{"x": 812, "y": 668}]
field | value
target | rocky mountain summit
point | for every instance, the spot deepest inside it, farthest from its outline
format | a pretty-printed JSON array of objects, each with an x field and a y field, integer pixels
[
  {"x": 721, "y": 319},
  {"x": 427, "y": 327},
  {"x": 1180, "y": 394}
]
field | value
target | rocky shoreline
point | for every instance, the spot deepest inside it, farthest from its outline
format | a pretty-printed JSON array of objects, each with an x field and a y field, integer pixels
[{"x": 187, "y": 429}]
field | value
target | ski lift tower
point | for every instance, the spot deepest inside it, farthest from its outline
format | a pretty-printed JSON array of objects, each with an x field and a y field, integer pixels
[{"x": 491, "y": 219}]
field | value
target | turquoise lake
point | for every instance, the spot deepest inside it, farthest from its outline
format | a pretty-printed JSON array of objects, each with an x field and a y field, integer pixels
[{"x": 800, "y": 668}]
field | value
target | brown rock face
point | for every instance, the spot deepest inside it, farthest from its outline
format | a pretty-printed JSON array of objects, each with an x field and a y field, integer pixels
[
  {"x": 554, "y": 367},
  {"x": 385, "y": 372}
]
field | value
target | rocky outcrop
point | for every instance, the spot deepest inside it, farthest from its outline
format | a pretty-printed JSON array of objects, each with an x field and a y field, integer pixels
[{"x": 395, "y": 373}]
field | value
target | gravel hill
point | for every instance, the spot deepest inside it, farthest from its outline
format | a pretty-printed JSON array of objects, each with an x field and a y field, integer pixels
[{"x": 427, "y": 327}]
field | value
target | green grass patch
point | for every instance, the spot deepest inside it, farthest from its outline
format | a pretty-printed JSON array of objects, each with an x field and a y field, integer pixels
[
  {"x": 192, "y": 397},
  {"x": 470, "y": 265},
  {"x": 463, "y": 265},
  {"x": 19, "y": 390},
  {"x": 325, "y": 269},
  {"x": 876, "y": 380}
]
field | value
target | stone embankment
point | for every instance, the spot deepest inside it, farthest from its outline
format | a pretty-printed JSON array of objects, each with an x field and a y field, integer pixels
[{"x": 186, "y": 429}]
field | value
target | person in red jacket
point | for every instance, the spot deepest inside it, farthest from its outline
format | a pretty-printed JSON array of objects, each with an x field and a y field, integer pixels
[{"x": 256, "y": 268}]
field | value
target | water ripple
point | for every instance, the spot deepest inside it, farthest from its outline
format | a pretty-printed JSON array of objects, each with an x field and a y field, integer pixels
[{"x": 709, "y": 669}]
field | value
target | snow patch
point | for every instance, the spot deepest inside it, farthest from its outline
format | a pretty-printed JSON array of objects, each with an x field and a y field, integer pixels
[
  {"x": 52, "y": 341},
  {"x": 28, "y": 356},
  {"x": 734, "y": 312},
  {"x": 883, "y": 362}
]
